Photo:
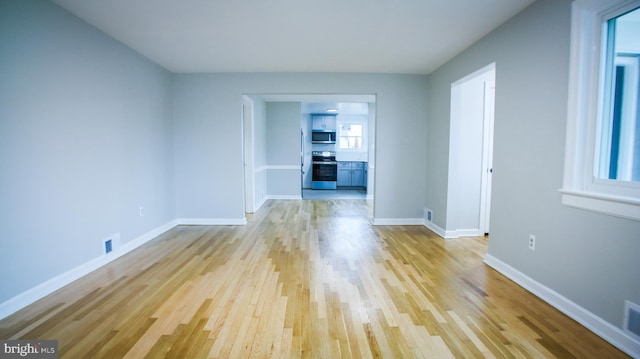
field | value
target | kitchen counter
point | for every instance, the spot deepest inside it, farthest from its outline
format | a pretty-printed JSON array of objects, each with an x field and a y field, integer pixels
[{"x": 352, "y": 156}]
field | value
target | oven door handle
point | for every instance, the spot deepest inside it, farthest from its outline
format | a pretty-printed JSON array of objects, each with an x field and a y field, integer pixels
[{"x": 324, "y": 162}]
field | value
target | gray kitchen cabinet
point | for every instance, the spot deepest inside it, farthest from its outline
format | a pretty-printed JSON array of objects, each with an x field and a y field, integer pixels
[
  {"x": 357, "y": 174},
  {"x": 323, "y": 122},
  {"x": 351, "y": 174},
  {"x": 344, "y": 174}
]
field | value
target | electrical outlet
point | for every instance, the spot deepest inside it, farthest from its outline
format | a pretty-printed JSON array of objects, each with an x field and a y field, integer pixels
[
  {"x": 532, "y": 242},
  {"x": 141, "y": 211}
]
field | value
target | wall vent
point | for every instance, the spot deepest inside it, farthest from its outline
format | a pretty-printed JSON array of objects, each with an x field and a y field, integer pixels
[
  {"x": 632, "y": 319},
  {"x": 428, "y": 215},
  {"x": 111, "y": 243},
  {"x": 108, "y": 246}
]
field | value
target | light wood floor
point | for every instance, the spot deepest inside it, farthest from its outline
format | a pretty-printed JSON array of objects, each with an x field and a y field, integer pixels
[{"x": 303, "y": 279}]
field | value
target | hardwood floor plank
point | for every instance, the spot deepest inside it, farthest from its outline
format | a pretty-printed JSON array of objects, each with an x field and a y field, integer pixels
[
  {"x": 306, "y": 278},
  {"x": 21, "y": 327}
]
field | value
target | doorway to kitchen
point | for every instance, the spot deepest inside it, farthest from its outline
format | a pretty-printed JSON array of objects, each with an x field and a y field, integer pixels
[
  {"x": 338, "y": 142},
  {"x": 278, "y": 146}
]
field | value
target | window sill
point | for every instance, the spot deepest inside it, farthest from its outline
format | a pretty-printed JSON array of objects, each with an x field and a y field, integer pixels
[{"x": 619, "y": 206}]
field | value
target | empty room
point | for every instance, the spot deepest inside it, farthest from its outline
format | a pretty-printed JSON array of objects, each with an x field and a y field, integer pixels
[{"x": 225, "y": 179}]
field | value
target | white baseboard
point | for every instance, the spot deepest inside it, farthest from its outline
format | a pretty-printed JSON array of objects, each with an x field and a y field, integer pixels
[
  {"x": 211, "y": 221},
  {"x": 450, "y": 234},
  {"x": 129, "y": 246},
  {"x": 32, "y": 295},
  {"x": 614, "y": 335},
  {"x": 436, "y": 229},
  {"x": 468, "y": 232},
  {"x": 397, "y": 221},
  {"x": 259, "y": 205},
  {"x": 277, "y": 196}
]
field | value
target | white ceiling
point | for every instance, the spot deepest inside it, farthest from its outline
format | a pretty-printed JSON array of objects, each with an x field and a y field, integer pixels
[{"x": 378, "y": 36}]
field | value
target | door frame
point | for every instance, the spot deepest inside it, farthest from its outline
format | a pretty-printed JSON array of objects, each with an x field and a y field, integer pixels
[
  {"x": 470, "y": 119},
  {"x": 487, "y": 155},
  {"x": 248, "y": 154}
]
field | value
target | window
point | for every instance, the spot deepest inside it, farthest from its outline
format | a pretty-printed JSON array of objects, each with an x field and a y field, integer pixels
[
  {"x": 602, "y": 160},
  {"x": 618, "y": 155},
  {"x": 351, "y": 136}
]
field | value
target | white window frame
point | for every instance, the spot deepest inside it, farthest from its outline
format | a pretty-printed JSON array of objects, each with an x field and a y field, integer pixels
[{"x": 580, "y": 187}]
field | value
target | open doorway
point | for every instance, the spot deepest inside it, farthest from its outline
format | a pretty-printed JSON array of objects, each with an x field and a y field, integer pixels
[
  {"x": 471, "y": 154},
  {"x": 338, "y": 160},
  {"x": 277, "y": 136}
]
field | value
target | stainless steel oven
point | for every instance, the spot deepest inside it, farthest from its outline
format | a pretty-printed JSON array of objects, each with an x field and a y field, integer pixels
[{"x": 325, "y": 170}]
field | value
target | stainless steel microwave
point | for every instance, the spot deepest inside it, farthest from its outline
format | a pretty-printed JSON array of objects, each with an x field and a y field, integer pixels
[{"x": 323, "y": 136}]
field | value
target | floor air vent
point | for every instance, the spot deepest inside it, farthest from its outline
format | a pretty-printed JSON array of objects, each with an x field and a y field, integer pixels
[
  {"x": 428, "y": 215},
  {"x": 632, "y": 319}
]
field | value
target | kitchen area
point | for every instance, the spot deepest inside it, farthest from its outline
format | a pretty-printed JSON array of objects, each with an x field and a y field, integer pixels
[
  {"x": 336, "y": 148},
  {"x": 315, "y": 146}
]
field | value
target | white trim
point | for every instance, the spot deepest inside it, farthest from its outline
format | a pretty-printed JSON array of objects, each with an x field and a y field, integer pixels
[
  {"x": 248, "y": 153},
  {"x": 599, "y": 326},
  {"x": 211, "y": 221},
  {"x": 619, "y": 206},
  {"x": 43, "y": 289},
  {"x": 288, "y": 197},
  {"x": 487, "y": 154},
  {"x": 397, "y": 221},
  {"x": 476, "y": 73},
  {"x": 283, "y": 167},
  {"x": 436, "y": 229},
  {"x": 452, "y": 234},
  {"x": 260, "y": 169},
  {"x": 465, "y": 232},
  {"x": 260, "y": 204}
]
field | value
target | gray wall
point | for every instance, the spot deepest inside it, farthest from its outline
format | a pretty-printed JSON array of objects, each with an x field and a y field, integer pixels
[
  {"x": 589, "y": 258},
  {"x": 85, "y": 138},
  {"x": 283, "y": 149},
  {"x": 90, "y": 131},
  {"x": 208, "y": 140}
]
